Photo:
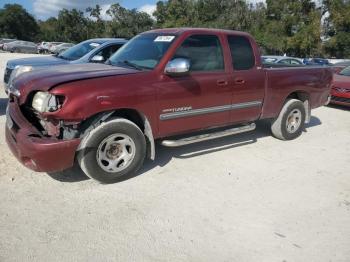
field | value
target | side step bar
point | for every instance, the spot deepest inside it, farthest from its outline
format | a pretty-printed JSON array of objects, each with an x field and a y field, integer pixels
[{"x": 208, "y": 136}]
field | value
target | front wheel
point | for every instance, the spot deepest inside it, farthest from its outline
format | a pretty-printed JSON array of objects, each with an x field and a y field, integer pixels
[
  {"x": 112, "y": 150},
  {"x": 290, "y": 122}
]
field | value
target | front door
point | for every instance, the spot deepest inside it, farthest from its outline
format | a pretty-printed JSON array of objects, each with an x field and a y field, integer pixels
[{"x": 201, "y": 99}]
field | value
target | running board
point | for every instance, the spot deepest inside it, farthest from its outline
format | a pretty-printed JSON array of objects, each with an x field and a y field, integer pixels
[{"x": 208, "y": 136}]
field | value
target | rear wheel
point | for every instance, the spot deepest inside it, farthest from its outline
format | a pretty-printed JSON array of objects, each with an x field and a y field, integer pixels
[
  {"x": 112, "y": 150},
  {"x": 290, "y": 122}
]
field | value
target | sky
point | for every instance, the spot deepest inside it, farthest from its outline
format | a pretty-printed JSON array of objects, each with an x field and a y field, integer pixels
[{"x": 43, "y": 9}]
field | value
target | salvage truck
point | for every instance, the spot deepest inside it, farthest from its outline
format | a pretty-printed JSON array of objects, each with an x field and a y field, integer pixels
[{"x": 175, "y": 86}]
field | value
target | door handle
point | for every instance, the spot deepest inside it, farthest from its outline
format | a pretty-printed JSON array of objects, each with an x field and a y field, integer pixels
[
  {"x": 239, "y": 81},
  {"x": 222, "y": 82}
]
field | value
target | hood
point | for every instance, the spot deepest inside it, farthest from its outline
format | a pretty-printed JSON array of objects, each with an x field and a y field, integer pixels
[
  {"x": 45, "y": 79},
  {"x": 341, "y": 81},
  {"x": 37, "y": 61}
]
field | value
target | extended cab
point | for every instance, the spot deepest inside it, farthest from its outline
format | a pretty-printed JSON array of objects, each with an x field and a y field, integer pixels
[{"x": 173, "y": 85}]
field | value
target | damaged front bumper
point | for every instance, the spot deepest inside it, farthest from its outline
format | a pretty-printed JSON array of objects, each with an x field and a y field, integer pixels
[{"x": 34, "y": 150}]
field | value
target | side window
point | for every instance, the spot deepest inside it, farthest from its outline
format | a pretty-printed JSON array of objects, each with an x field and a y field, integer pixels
[
  {"x": 204, "y": 52},
  {"x": 108, "y": 51},
  {"x": 295, "y": 62},
  {"x": 241, "y": 52},
  {"x": 285, "y": 61}
]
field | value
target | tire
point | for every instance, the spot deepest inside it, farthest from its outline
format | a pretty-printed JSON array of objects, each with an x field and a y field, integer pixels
[
  {"x": 112, "y": 150},
  {"x": 291, "y": 121}
]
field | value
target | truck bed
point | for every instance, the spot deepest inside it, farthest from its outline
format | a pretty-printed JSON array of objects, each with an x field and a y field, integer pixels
[{"x": 307, "y": 81}]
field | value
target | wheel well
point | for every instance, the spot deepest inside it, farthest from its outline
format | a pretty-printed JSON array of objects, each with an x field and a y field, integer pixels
[
  {"x": 300, "y": 95},
  {"x": 131, "y": 115},
  {"x": 303, "y": 97}
]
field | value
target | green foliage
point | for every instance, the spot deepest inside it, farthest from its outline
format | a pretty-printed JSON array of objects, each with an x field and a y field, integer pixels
[
  {"x": 72, "y": 25},
  {"x": 96, "y": 26},
  {"x": 16, "y": 22},
  {"x": 127, "y": 23},
  {"x": 337, "y": 28}
]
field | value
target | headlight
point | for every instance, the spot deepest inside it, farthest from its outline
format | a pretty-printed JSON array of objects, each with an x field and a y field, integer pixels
[
  {"x": 20, "y": 70},
  {"x": 45, "y": 102},
  {"x": 15, "y": 73}
]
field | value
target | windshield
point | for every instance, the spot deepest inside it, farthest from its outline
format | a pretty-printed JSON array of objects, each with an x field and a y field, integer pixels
[
  {"x": 345, "y": 71},
  {"x": 4, "y": 41},
  {"x": 143, "y": 52},
  {"x": 79, "y": 50}
]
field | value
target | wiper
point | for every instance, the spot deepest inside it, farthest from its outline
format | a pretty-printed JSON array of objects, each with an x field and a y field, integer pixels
[
  {"x": 62, "y": 57},
  {"x": 130, "y": 64}
]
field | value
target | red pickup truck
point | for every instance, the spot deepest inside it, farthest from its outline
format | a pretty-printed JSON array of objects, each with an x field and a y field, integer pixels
[{"x": 178, "y": 86}]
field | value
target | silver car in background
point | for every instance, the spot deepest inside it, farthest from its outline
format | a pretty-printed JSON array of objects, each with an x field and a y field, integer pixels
[
  {"x": 285, "y": 60},
  {"x": 4, "y": 41},
  {"x": 21, "y": 47}
]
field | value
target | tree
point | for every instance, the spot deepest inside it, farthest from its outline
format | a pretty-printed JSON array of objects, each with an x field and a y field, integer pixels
[
  {"x": 127, "y": 23},
  {"x": 72, "y": 25},
  {"x": 96, "y": 26},
  {"x": 292, "y": 27},
  {"x": 49, "y": 30},
  {"x": 337, "y": 28},
  {"x": 16, "y": 22}
]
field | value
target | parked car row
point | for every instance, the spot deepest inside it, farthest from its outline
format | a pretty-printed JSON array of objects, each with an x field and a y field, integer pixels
[
  {"x": 53, "y": 47},
  {"x": 285, "y": 60},
  {"x": 19, "y": 46},
  {"x": 161, "y": 85}
]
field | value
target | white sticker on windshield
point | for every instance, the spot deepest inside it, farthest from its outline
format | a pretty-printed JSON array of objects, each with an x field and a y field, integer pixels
[
  {"x": 164, "y": 38},
  {"x": 94, "y": 44}
]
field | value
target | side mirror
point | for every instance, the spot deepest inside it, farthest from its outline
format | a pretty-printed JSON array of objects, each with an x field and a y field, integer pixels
[
  {"x": 178, "y": 67},
  {"x": 98, "y": 59}
]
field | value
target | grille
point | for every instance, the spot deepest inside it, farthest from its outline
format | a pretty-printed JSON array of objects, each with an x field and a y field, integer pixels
[
  {"x": 340, "y": 99},
  {"x": 341, "y": 90},
  {"x": 7, "y": 75}
]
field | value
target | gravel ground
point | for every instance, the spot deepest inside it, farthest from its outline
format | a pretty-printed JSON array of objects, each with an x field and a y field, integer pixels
[{"x": 243, "y": 198}]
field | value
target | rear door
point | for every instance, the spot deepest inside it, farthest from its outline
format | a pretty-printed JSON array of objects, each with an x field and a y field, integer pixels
[
  {"x": 248, "y": 80},
  {"x": 202, "y": 98}
]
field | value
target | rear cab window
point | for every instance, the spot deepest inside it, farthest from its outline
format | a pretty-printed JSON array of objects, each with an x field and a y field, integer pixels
[
  {"x": 242, "y": 53},
  {"x": 204, "y": 52}
]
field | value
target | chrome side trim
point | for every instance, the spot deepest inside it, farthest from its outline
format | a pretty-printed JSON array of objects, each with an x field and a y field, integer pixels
[
  {"x": 246, "y": 105},
  {"x": 209, "y": 110}
]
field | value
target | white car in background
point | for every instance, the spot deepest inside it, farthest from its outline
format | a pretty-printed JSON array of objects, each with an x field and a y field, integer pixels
[
  {"x": 57, "y": 49},
  {"x": 43, "y": 47},
  {"x": 285, "y": 60},
  {"x": 51, "y": 45}
]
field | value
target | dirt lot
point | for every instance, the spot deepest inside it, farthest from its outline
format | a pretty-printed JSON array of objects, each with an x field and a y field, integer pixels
[{"x": 243, "y": 198}]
